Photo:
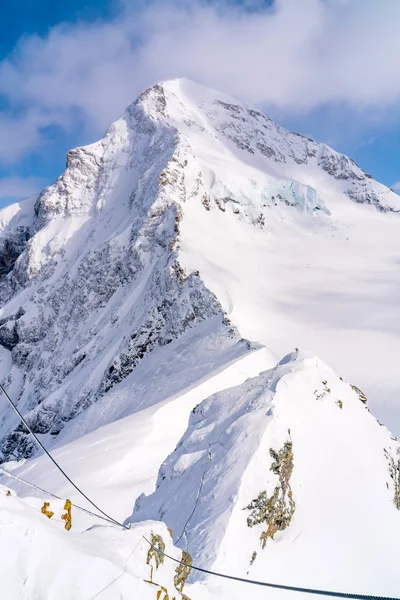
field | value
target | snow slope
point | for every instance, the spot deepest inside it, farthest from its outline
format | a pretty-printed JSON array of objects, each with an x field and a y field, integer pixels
[
  {"x": 117, "y": 461},
  {"x": 49, "y": 562},
  {"x": 289, "y": 275},
  {"x": 113, "y": 464},
  {"x": 286, "y": 478},
  {"x": 344, "y": 478}
]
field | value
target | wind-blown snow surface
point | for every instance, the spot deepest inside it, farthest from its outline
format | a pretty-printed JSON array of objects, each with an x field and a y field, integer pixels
[
  {"x": 125, "y": 290},
  {"x": 119, "y": 460}
]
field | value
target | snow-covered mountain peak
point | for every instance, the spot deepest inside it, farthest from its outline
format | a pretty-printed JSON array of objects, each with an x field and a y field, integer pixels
[
  {"x": 227, "y": 126},
  {"x": 139, "y": 210},
  {"x": 179, "y": 256},
  {"x": 192, "y": 125}
]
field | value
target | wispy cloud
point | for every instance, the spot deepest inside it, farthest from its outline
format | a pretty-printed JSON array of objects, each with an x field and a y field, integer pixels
[
  {"x": 295, "y": 56},
  {"x": 396, "y": 186}
]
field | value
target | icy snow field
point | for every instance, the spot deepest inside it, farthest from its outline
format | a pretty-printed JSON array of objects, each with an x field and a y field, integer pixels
[
  {"x": 335, "y": 291},
  {"x": 195, "y": 432},
  {"x": 328, "y": 284}
]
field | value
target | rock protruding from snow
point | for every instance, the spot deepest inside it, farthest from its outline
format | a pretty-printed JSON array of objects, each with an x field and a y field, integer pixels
[{"x": 286, "y": 478}]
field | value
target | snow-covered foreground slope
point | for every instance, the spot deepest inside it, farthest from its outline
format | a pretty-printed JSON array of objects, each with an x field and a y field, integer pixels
[
  {"x": 113, "y": 464},
  {"x": 104, "y": 562},
  {"x": 286, "y": 478}
]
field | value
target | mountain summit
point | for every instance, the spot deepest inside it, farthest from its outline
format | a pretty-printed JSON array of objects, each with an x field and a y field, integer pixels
[
  {"x": 180, "y": 215},
  {"x": 147, "y": 297}
]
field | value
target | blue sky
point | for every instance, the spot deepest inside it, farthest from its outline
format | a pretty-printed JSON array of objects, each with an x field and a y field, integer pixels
[
  {"x": 25, "y": 18},
  {"x": 326, "y": 68}
]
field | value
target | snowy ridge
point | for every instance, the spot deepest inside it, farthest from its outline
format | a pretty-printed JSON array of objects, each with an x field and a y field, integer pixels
[
  {"x": 282, "y": 473},
  {"x": 341, "y": 467},
  {"x": 234, "y": 130},
  {"x": 114, "y": 464}
]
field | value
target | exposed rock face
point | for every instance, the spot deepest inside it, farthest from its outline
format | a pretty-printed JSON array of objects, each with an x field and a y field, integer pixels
[
  {"x": 275, "y": 512},
  {"x": 11, "y": 247},
  {"x": 95, "y": 265},
  {"x": 112, "y": 296}
]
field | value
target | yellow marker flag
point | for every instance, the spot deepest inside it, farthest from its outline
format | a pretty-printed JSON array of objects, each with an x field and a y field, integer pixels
[
  {"x": 67, "y": 517},
  {"x": 45, "y": 510}
]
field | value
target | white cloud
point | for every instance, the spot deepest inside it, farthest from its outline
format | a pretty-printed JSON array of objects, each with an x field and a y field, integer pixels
[
  {"x": 296, "y": 57},
  {"x": 396, "y": 186}
]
